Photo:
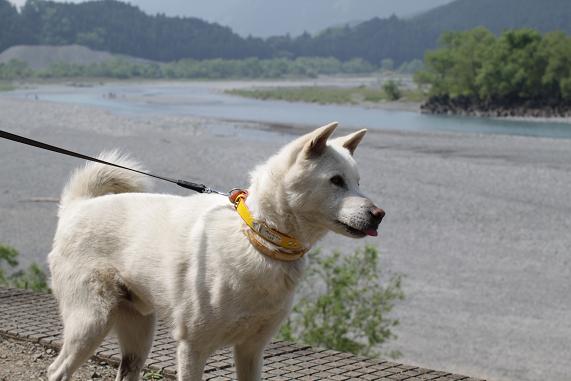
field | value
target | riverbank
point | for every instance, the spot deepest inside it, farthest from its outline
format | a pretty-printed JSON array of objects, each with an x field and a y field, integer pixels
[
  {"x": 6, "y": 86},
  {"x": 409, "y": 100},
  {"x": 478, "y": 223},
  {"x": 467, "y": 106}
]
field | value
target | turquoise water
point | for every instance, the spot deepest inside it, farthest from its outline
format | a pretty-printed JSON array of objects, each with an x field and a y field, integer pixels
[{"x": 204, "y": 100}]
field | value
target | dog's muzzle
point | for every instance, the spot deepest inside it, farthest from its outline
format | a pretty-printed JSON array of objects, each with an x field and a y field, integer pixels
[{"x": 377, "y": 215}]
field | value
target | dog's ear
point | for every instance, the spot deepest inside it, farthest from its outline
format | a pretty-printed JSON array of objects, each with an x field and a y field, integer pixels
[
  {"x": 317, "y": 140},
  {"x": 351, "y": 141}
]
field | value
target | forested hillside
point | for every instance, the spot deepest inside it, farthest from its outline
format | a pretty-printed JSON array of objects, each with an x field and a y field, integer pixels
[
  {"x": 121, "y": 28},
  {"x": 407, "y": 39},
  {"x": 373, "y": 40},
  {"x": 498, "y": 15}
]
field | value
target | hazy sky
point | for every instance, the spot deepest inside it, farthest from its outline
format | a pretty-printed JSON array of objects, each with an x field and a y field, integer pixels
[{"x": 278, "y": 17}]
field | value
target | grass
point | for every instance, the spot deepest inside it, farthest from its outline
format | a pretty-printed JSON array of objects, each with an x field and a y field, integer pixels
[
  {"x": 6, "y": 86},
  {"x": 328, "y": 95},
  {"x": 152, "y": 375}
]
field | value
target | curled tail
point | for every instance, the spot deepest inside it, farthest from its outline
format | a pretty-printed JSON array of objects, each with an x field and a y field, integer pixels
[{"x": 94, "y": 180}]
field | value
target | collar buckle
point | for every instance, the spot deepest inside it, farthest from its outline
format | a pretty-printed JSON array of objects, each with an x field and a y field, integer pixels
[{"x": 266, "y": 240}]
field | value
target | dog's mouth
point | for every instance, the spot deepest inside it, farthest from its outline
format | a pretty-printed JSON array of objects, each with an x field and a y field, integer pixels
[{"x": 358, "y": 232}]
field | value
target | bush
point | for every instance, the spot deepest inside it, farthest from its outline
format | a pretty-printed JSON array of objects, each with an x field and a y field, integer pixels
[
  {"x": 351, "y": 312},
  {"x": 392, "y": 90},
  {"x": 33, "y": 278},
  {"x": 519, "y": 65},
  {"x": 14, "y": 69}
]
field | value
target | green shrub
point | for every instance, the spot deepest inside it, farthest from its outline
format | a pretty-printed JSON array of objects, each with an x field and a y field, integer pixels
[
  {"x": 152, "y": 375},
  {"x": 518, "y": 65},
  {"x": 351, "y": 313},
  {"x": 392, "y": 90},
  {"x": 32, "y": 278}
]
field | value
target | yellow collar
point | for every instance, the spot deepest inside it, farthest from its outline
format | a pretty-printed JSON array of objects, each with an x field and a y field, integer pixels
[{"x": 266, "y": 240}]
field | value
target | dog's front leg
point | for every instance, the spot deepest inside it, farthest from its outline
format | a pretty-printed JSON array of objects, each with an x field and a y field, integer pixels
[
  {"x": 190, "y": 362},
  {"x": 249, "y": 360}
]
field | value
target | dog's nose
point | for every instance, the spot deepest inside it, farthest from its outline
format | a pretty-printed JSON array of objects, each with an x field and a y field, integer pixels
[{"x": 377, "y": 214}]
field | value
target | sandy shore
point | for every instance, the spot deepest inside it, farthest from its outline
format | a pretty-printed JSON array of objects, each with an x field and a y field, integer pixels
[{"x": 479, "y": 224}]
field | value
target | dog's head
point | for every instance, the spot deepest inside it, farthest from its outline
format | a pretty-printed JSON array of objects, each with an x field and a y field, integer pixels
[{"x": 318, "y": 178}]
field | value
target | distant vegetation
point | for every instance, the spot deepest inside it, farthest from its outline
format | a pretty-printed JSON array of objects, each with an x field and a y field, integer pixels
[
  {"x": 390, "y": 91},
  {"x": 118, "y": 27},
  {"x": 191, "y": 69},
  {"x": 476, "y": 69},
  {"x": 121, "y": 28},
  {"x": 346, "y": 304},
  {"x": 5, "y": 86}
]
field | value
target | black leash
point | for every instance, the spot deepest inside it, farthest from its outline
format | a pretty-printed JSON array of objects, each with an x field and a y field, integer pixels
[{"x": 200, "y": 188}]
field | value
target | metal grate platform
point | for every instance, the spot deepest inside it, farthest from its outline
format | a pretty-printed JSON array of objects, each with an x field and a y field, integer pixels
[{"x": 34, "y": 317}]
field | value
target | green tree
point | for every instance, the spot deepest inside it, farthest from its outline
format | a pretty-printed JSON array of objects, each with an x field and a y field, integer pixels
[
  {"x": 392, "y": 90},
  {"x": 14, "y": 69},
  {"x": 453, "y": 69},
  {"x": 514, "y": 67},
  {"x": 411, "y": 67},
  {"x": 556, "y": 51},
  {"x": 387, "y": 64},
  {"x": 520, "y": 65},
  {"x": 10, "y": 28}
]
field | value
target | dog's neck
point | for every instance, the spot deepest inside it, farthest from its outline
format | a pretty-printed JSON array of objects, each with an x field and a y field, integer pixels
[{"x": 272, "y": 209}]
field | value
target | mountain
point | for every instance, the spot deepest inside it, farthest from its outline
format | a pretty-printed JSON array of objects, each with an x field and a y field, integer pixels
[
  {"x": 498, "y": 15},
  {"x": 122, "y": 28},
  {"x": 407, "y": 39},
  {"x": 264, "y": 18}
]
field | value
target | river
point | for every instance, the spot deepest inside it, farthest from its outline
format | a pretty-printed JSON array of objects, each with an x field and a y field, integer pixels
[{"x": 207, "y": 99}]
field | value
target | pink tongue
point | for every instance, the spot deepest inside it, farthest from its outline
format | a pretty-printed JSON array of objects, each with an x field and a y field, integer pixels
[{"x": 371, "y": 232}]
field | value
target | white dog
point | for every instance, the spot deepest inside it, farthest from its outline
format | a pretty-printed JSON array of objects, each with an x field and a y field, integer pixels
[{"x": 121, "y": 257}]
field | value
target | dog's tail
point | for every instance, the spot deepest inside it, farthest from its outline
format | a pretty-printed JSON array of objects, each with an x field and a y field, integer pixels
[{"x": 95, "y": 179}]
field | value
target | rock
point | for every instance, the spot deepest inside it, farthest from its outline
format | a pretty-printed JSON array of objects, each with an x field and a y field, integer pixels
[{"x": 472, "y": 106}]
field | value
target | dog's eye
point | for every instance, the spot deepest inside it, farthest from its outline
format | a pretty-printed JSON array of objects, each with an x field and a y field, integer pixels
[{"x": 338, "y": 181}]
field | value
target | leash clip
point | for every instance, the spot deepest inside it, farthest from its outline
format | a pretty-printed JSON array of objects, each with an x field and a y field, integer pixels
[{"x": 210, "y": 190}]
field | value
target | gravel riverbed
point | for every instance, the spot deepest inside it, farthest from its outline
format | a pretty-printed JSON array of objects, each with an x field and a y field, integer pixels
[
  {"x": 479, "y": 224},
  {"x": 20, "y": 360}
]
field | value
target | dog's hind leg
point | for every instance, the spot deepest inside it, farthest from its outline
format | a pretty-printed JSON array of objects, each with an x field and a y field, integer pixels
[
  {"x": 84, "y": 329},
  {"x": 135, "y": 332}
]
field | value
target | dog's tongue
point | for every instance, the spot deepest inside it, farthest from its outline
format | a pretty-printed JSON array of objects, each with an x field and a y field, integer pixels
[{"x": 371, "y": 232}]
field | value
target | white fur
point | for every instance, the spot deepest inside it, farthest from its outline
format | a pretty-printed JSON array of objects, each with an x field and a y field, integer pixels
[{"x": 120, "y": 260}]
